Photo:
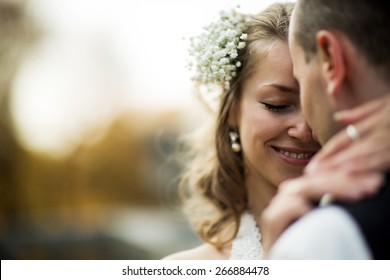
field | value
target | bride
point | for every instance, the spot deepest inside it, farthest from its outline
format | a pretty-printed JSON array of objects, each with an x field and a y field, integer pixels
[{"x": 259, "y": 139}]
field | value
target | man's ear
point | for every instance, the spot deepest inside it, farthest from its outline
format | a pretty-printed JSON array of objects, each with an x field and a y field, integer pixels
[{"x": 332, "y": 61}]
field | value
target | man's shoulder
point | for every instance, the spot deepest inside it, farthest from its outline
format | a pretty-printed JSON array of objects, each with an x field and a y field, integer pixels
[
  {"x": 347, "y": 231},
  {"x": 373, "y": 216},
  {"x": 324, "y": 233}
]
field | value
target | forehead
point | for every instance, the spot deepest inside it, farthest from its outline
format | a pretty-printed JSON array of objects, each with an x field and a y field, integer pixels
[
  {"x": 274, "y": 67},
  {"x": 278, "y": 56}
]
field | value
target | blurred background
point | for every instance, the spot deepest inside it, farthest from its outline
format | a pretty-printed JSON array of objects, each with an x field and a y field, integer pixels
[{"x": 94, "y": 96}]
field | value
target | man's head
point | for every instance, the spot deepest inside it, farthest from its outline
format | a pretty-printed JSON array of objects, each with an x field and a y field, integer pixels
[{"x": 340, "y": 50}]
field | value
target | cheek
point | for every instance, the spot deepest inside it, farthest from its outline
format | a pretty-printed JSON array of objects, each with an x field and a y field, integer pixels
[{"x": 258, "y": 128}]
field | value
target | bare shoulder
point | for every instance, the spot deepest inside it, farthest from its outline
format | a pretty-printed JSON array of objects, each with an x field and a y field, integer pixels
[{"x": 202, "y": 252}]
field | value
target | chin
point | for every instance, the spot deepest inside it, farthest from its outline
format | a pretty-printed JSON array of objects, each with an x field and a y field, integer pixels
[{"x": 289, "y": 174}]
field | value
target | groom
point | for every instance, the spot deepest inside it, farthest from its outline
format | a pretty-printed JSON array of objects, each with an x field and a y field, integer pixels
[{"x": 340, "y": 54}]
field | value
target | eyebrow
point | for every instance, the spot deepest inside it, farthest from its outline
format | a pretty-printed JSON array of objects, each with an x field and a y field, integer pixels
[{"x": 283, "y": 88}]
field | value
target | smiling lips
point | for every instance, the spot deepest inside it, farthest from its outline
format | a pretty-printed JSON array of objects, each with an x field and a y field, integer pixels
[{"x": 295, "y": 156}]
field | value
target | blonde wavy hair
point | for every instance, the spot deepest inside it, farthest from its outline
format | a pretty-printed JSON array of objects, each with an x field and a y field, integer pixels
[{"x": 213, "y": 184}]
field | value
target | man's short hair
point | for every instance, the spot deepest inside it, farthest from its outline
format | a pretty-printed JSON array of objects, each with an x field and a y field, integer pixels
[{"x": 365, "y": 22}]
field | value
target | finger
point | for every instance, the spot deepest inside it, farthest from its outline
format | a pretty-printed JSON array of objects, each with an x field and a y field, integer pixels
[
  {"x": 295, "y": 198},
  {"x": 371, "y": 154},
  {"x": 366, "y": 118},
  {"x": 285, "y": 208},
  {"x": 358, "y": 113},
  {"x": 282, "y": 211},
  {"x": 340, "y": 142},
  {"x": 369, "y": 164},
  {"x": 375, "y": 145},
  {"x": 342, "y": 185}
]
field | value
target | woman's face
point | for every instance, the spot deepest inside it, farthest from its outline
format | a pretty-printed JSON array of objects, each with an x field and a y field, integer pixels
[{"x": 275, "y": 138}]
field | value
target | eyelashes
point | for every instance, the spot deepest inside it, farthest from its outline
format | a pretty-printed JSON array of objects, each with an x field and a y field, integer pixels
[{"x": 276, "y": 108}]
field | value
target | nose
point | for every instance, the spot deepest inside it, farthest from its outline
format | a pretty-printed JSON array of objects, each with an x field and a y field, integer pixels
[{"x": 300, "y": 130}]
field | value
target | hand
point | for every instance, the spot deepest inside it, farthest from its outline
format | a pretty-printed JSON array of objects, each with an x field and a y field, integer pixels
[
  {"x": 298, "y": 196},
  {"x": 371, "y": 152}
]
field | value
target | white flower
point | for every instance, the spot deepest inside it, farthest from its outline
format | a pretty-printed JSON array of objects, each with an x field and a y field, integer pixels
[
  {"x": 216, "y": 50},
  {"x": 241, "y": 45},
  {"x": 230, "y": 34},
  {"x": 218, "y": 55},
  {"x": 230, "y": 45},
  {"x": 244, "y": 36},
  {"x": 233, "y": 54},
  {"x": 224, "y": 61}
]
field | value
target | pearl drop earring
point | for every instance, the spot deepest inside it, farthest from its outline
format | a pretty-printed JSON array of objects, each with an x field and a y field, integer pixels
[{"x": 235, "y": 145}]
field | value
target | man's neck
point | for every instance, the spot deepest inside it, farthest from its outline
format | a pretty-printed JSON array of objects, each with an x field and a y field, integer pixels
[{"x": 366, "y": 83}]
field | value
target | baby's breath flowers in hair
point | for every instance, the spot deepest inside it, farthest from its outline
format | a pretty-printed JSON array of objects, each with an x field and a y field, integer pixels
[{"x": 214, "y": 52}]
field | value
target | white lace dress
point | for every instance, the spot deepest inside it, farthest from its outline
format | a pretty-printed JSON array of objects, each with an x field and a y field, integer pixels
[{"x": 246, "y": 245}]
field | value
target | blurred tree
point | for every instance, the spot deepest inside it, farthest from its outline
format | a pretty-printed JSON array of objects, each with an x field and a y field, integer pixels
[
  {"x": 123, "y": 166},
  {"x": 16, "y": 35},
  {"x": 57, "y": 208}
]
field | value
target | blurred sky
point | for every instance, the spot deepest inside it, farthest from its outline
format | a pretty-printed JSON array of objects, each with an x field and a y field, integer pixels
[{"x": 98, "y": 58}]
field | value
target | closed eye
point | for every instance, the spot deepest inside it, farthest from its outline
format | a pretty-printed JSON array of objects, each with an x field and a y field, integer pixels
[{"x": 276, "y": 108}]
